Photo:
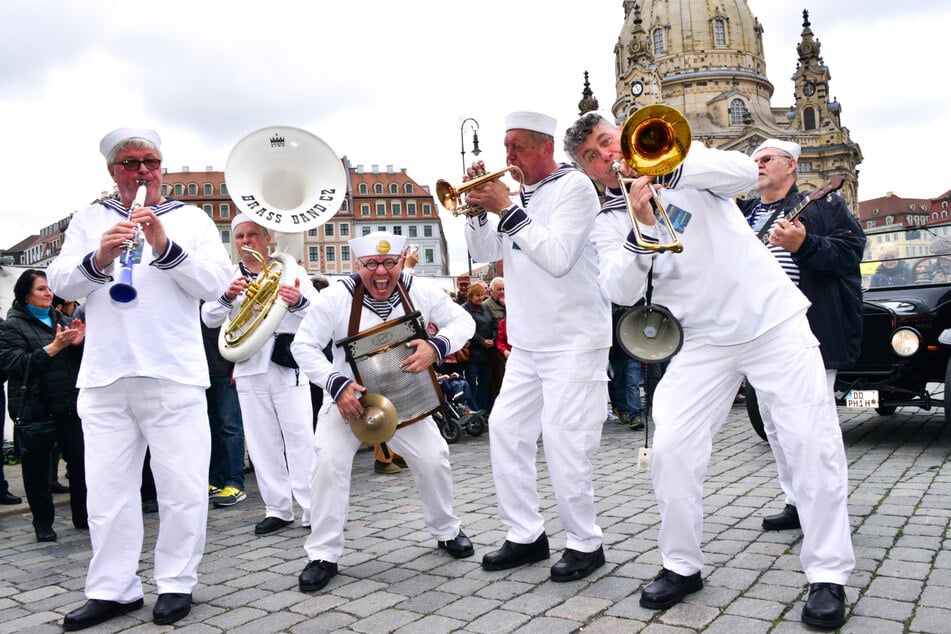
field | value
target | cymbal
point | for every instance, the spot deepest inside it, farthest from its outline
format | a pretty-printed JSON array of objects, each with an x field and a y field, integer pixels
[{"x": 377, "y": 423}]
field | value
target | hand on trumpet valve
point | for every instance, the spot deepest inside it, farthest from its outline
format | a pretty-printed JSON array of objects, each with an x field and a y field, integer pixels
[{"x": 475, "y": 170}]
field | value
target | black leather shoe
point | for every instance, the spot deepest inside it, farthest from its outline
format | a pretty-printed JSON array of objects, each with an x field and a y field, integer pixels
[
  {"x": 8, "y": 498},
  {"x": 668, "y": 589},
  {"x": 575, "y": 564},
  {"x": 786, "y": 520},
  {"x": 269, "y": 525},
  {"x": 56, "y": 487},
  {"x": 316, "y": 575},
  {"x": 170, "y": 607},
  {"x": 459, "y": 546},
  {"x": 45, "y": 534},
  {"x": 825, "y": 606},
  {"x": 511, "y": 554},
  {"x": 96, "y": 611}
]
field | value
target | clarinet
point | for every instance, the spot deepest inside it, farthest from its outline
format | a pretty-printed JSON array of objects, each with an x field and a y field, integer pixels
[{"x": 122, "y": 292}]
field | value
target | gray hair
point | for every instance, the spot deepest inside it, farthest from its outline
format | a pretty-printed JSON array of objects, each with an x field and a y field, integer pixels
[
  {"x": 580, "y": 130},
  {"x": 134, "y": 143}
]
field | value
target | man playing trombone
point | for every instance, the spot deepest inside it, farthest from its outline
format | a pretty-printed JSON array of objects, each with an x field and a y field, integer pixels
[{"x": 741, "y": 316}]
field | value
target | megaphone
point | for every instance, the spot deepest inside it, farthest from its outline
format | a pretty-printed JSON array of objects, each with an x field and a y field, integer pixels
[{"x": 650, "y": 333}]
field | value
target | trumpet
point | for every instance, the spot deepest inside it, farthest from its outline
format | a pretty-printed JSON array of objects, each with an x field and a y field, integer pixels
[
  {"x": 654, "y": 141},
  {"x": 122, "y": 292},
  {"x": 450, "y": 196}
]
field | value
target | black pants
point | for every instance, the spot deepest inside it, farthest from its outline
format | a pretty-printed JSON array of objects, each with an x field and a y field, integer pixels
[{"x": 36, "y": 444}]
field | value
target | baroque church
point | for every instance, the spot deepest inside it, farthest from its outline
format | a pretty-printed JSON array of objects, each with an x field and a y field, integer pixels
[{"x": 705, "y": 58}]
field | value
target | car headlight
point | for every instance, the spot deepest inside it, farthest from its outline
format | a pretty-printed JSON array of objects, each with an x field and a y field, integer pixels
[{"x": 905, "y": 342}]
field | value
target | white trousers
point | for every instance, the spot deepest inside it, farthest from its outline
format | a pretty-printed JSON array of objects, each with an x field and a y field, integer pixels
[
  {"x": 278, "y": 428},
  {"x": 560, "y": 397},
  {"x": 782, "y": 467},
  {"x": 691, "y": 403},
  {"x": 119, "y": 422},
  {"x": 426, "y": 455}
]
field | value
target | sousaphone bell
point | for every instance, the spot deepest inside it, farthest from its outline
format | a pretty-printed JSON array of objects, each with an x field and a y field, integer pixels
[{"x": 377, "y": 423}]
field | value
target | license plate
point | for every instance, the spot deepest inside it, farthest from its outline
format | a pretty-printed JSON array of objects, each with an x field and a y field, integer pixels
[{"x": 862, "y": 399}]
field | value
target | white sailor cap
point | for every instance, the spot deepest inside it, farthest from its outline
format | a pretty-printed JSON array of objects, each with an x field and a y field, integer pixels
[
  {"x": 377, "y": 243},
  {"x": 117, "y": 136},
  {"x": 534, "y": 121},
  {"x": 790, "y": 148}
]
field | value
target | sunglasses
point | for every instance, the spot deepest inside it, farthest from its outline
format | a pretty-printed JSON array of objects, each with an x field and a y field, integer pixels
[
  {"x": 766, "y": 160},
  {"x": 388, "y": 264},
  {"x": 132, "y": 165}
]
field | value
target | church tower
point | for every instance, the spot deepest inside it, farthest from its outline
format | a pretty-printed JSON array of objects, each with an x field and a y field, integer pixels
[{"x": 705, "y": 58}]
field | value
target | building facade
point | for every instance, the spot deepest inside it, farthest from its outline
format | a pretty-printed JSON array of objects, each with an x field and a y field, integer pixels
[{"x": 706, "y": 60}]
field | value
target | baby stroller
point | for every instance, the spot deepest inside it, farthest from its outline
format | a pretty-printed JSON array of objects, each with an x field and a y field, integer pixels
[{"x": 454, "y": 417}]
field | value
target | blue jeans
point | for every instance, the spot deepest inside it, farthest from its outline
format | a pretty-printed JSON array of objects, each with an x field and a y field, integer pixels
[
  {"x": 625, "y": 387},
  {"x": 227, "y": 434}
]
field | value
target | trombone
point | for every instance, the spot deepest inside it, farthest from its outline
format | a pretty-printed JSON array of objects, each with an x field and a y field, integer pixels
[
  {"x": 654, "y": 141},
  {"x": 450, "y": 196}
]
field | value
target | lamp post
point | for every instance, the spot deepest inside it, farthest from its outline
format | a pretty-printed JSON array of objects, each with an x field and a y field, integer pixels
[{"x": 474, "y": 126}]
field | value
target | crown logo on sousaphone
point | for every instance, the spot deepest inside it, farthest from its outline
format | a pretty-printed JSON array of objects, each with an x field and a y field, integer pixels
[{"x": 277, "y": 141}]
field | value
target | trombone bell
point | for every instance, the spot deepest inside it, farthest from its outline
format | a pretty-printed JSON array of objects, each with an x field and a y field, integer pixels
[
  {"x": 450, "y": 196},
  {"x": 654, "y": 141}
]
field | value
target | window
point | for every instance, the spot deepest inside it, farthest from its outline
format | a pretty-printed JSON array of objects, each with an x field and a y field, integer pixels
[
  {"x": 224, "y": 189},
  {"x": 313, "y": 254},
  {"x": 407, "y": 188},
  {"x": 427, "y": 231},
  {"x": 312, "y": 233},
  {"x": 225, "y": 210},
  {"x": 365, "y": 209},
  {"x": 363, "y": 188},
  {"x": 329, "y": 229},
  {"x": 411, "y": 209},
  {"x": 225, "y": 236},
  {"x": 208, "y": 209},
  {"x": 427, "y": 209},
  {"x": 345, "y": 253},
  {"x": 738, "y": 112},
  {"x": 396, "y": 208},
  {"x": 367, "y": 230},
  {"x": 804, "y": 167},
  {"x": 397, "y": 230},
  {"x": 658, "y": 38},
  {"x": 209, "y": 189},
  {"x": 412, "y": 231},
  {"x": 166, "y": 190},
  {"x": 331, "y": 253},
  {"x": 428, "y": 256},
  {"x": 378, "y": 188},
  {"x": 380, "y": 209},
  {"x": 179, "y": 189},
  {"x": 192, "y": 189},
  {"x": 808, "y": 119},
  {"x": 394, "y": 188},
  {"x": 381, "y": 228},
  {"x": 344, "y": 230},
  {"x": 719, "y": 32}
]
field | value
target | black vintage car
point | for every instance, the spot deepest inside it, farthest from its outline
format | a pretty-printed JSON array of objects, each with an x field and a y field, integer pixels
[{"x": 905, "y": 360}]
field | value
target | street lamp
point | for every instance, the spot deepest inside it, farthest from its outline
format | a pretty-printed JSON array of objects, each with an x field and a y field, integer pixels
[{"x": 474, "y": 126}]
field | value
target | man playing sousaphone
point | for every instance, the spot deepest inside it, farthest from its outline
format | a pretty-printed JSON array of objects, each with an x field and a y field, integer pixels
[{"x": 387, "y": 294}]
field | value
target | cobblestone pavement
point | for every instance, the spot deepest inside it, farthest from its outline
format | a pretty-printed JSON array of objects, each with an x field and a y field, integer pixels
[{"x": 393, "y": 579}]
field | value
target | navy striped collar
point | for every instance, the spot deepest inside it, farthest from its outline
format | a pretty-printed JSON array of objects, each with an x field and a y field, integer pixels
[{"x": 115, "y": 205}]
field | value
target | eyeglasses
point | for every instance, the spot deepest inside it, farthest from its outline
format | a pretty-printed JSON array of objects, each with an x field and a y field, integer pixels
[
  {"x": 132, "y": 165},
  {"x": 388, "y": 264},
  {"x": 766, "y": 160}
]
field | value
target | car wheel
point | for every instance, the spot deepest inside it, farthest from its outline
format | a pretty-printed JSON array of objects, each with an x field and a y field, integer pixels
[
  {"x": 885, "y": 410},
  {"x": 752, "y": 410}
]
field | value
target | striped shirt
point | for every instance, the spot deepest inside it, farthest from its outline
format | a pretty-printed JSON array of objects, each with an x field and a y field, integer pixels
[{"x": 757, "y": 218}]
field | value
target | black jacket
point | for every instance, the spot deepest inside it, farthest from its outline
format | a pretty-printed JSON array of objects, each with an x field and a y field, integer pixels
[
  {"x": 51, "y": 391},
  {"x": 830, "y": 277},
  {"x": 486, "y": 328}
]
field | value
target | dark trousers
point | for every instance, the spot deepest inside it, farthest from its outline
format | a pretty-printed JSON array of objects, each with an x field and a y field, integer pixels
[
  {"x": 479, "y": 376},
  {"x": 227, "y": 434},
  {"x": 35, "y": 459}
]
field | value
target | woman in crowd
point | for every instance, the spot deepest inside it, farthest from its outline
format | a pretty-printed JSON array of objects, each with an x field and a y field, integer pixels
[
  {"x": 481, "y": 361},
  {"x": 40, "y": 350}
]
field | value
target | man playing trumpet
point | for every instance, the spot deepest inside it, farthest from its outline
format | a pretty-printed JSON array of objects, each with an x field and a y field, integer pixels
[{"x": 381, "y": 280}]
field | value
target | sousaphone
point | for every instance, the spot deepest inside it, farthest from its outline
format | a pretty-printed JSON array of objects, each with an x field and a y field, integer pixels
[{"x": 289, "y": 181}]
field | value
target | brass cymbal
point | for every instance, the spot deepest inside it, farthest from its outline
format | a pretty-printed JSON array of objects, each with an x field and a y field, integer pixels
[{"x": 377, "y": 423}]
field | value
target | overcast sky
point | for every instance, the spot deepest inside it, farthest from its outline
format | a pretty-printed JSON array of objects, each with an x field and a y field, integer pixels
[{"x": 389, "y": 83}]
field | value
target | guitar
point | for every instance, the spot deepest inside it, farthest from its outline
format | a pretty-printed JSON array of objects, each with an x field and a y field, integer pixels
[{"x": 833, "y": 184}]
